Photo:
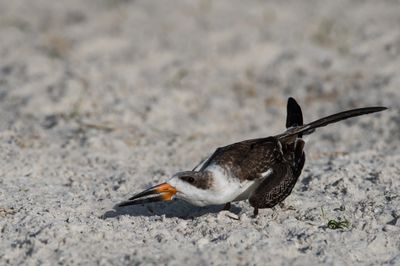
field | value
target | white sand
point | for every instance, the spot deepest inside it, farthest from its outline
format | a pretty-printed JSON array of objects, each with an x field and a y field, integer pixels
[{"x": 100, "y": 99}]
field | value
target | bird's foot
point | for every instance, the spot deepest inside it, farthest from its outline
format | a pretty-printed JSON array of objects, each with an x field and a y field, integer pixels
[{"x": 227, "y": 207}]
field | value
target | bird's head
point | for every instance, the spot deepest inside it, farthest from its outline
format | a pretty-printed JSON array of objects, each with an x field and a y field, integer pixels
[{"x": 193, "y": 187}]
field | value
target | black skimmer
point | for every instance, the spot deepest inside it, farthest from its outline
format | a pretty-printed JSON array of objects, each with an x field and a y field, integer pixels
[{"x": 262, "y": 170}]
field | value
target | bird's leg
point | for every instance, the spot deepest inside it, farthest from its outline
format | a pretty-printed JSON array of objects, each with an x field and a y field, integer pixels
[
  {"x": 255, "y": 212},
  {"x": 227, "y": 207}
]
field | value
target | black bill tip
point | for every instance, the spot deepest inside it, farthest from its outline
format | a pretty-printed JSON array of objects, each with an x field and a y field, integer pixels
[{"x": 141, "y": 201}]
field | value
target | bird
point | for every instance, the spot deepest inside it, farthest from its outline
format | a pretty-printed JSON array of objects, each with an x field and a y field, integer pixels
[{"x": 263, "y": 171}]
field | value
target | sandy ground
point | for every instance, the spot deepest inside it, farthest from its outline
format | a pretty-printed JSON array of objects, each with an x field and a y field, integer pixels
[{"x": 100, "y": 99}]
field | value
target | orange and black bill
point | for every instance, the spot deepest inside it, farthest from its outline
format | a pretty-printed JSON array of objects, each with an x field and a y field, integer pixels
[{"x": 164, "y": 192}]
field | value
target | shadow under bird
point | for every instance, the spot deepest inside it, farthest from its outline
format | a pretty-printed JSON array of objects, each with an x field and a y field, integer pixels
[{"x": 262, "y": 170}]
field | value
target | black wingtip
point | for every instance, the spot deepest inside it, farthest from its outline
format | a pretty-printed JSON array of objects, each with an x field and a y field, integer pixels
[
  {"x": 374, "y": 109},
  {"x": 294, "y": 113},
  {"x": 292, "y": 100},
  {"x": 292, "y": 103}
]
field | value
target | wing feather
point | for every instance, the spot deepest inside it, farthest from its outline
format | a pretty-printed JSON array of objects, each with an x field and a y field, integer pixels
[{"x": 249, "y": 159}]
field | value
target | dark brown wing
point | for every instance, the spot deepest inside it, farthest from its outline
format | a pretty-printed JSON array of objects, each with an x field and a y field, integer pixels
[
  {"x": 273, "y": 189},
  {"x": 277, "y": 186},
  {"x": 248, "y": 159}
]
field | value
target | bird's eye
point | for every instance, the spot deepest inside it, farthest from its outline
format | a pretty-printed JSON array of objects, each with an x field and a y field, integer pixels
[{"x": 189, "y": 179}]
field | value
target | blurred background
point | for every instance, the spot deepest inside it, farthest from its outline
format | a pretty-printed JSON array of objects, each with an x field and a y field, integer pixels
[
  {"x": 100, "y": 98},
  {"x": 200, "y": 72},
  {"x": 197, "y": 69},
  {"x": 201, "y": 64}
]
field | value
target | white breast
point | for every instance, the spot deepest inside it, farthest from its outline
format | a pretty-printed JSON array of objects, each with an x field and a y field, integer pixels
[{"x": 227, "y": 188}]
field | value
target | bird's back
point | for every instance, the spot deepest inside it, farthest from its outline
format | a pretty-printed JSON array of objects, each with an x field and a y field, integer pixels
[{"x": 249, "y": 159}]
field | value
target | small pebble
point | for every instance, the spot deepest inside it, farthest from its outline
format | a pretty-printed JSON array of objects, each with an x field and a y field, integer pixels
[
  {"x": 202, "y": 242},
  {"x": 223, "y": 214}
]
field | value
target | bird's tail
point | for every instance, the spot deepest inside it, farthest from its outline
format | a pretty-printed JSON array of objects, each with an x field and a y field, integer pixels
[{"x": 294, "y": 114}]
